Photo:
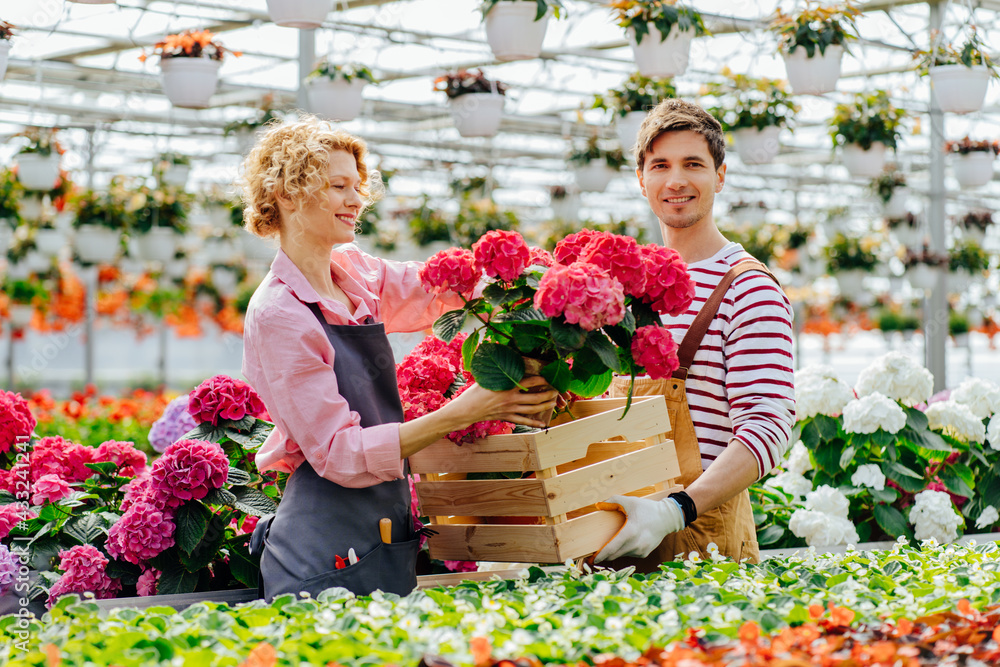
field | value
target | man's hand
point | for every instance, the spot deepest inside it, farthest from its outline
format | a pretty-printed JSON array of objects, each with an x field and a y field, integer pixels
[{"x": 647, "y": 522}]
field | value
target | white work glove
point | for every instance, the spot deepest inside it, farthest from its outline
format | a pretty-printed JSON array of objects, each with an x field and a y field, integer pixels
[{"x": 647, "y": 522}]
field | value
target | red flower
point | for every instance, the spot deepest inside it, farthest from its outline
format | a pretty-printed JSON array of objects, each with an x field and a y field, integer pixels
[
  {"x": 568, "y": 250},
  {"x": 222, "y": 397},
  {"x": 583, "y": 293},
  {"x": 540, "y": 257},
  {"x": 502, "y": 254},
  {"x": 188, "y": 470},
  {"x": 58, "y": 456},
  {"x": 16, "y": 420},
  {"x": 668, "y": 288},
  {"x": 129, "y": 460},
  {"x": 654, "y": 349},
  {"x": 620, "y": 256},
  {"x": 451, "y": 270}
]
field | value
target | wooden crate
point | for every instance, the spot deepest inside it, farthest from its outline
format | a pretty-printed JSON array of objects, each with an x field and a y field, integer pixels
[{"x": 550, "y": 517}]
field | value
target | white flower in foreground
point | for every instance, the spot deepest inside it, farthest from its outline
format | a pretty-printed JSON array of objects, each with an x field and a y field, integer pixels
[
  {"x": 798, "y": 460},
  {"x": 956, "y": 420},
  {"x": 821, "y": 396},
  {"x": 872, "y": 412},
  {"x": 869, "y": 475},
  {"x": 828, "y": 500},
  {"x": 934, "y": 516},
  {"x": 815, "y": 372},
  {"x": 993, "y": 432},
  {"x": 822, "y": 530},
  {"x": 989, "y": 517},
  {"x": 982, "y": 396},
  {"x": 791, "y": 483},
  {"x": 897, "y": 376}
]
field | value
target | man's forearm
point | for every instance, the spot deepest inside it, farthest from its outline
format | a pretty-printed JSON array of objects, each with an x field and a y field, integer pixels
[{"x": 734, "y": 470}]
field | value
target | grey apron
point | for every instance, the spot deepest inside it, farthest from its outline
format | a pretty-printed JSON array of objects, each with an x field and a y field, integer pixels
[{"x": 318, "y": 519}]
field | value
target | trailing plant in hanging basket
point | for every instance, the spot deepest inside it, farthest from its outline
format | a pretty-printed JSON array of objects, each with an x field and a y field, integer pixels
[
  {"x": 107, "y": 209},
  {"x": 345, "y": 72},
  {"x": 746, "y": 102},
  {"x": 39, "y": 141},
  {"x": 816, "y": 27},
  {"x": 924, "y": 256},
  {"x": 971, "y": 54},
  {"x": 543, "y": 7},
  {"x": 884, "y": 185},
  {"x": 845, "y": 252},
  {"x": 637, "y": 93},
  {"x": 592, "y": 151},
  {"x": 160, "y": 207},
  {"x": 978, "y": 220},
  {"x": 6, "y": 30},
  {"x": 965, "y": 146},
  {"x": 465, "y": 82},
  {"x": 11, "y": 192},
  {"x": 968, "y": 255},
  {"x": 265, "y": 113},
  {"x": 664, "y": 15},
  {"x": 869, "y": 119},
  {"x": 190, "y": 44},
  {"x": 428, "y": 224}
]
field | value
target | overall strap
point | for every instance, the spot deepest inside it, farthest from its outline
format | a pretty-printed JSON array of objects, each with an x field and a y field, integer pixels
[{"x": 696, "y": 332}]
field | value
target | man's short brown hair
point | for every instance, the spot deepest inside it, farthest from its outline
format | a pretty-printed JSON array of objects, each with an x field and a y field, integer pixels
[{"x": 675, "y": 115}]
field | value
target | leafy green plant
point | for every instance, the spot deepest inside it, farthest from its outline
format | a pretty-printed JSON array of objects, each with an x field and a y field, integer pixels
[
  {"x": 637, "y": 93},
  {"x": 664, "y": 15},
  {"x": 815, "y": 27},
  {"x": 174, "y": 158},
  {"x": 958, "y": 323},
  {"x": 159, "y": 207},
  {"x": 428, "y": 224},
  {"x": 884, "y": 185},
  {"x": 746, "y": 102},
  {"x": 25, "y": 292},
  {"x": 265, "y": 113},
  {"x": 968, "y": 255},
  {"x": 844, "y": 253},
  {"x": 465, "y": 82},
  {"x": 543, "y": 7},
  {"x": 971, "y": 54},
  {"x": 39, "y": 141},
  {"x": 11, "y": 192},
  {"x": 476, "y": 217},
  {"x": 593, "y": 150},
  {"x": 107, "y": 209},
  {"x": 345, "y": 72},
  {"x": 869, "y": 119}
]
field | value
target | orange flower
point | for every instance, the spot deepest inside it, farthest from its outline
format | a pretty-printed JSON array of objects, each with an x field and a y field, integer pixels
[
  {"x": 481, "y": 650},
  {"x": 815, "y": 610},
  {"x": 262, "y": 655},
  {"x": 840, "y": 616},
  {"x": 749, "y": 633}
]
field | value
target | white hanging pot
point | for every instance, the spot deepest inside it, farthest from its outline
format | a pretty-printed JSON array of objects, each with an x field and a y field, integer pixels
[
  {"x": 224, "y": 280},
  {"x": 566, "y": 208},
  {"x": 863, "y": 163},
  {"x": 973, "y": 169},
  {"x": 960, "y": 89},
  {"x": 974, "y": 233},
  {"x": 37, "y": 262},
  {"x": 908, "y": 236},
  {"x": 96, "y": 244},
  {"x": 756, "y": 146},
  {"x": 31, "y": 206},
  {"x": 851, "y": 282},
  {"x": 4, "y": 57},
  {"x": 6, "y": 234},
  {"x": 477, "y": 114},
  {"x": 336, "y": 99},
  {"x": 49, "y": 241},
  {"x": 627, "y": 129},
  {"x": 959, "y": 280},
  {"x": 299, "y": 13},
  {"x": 921, "y": 276},
  {"x": 36, "y": 171},
  {"x": 512, "y": 31},
  {"x": 189, "y": 82},
  {"x": 159, "y": 244},
  {"x": 816, "y": 75},
  {"x": 896, "y": 206},
  {"x": 594, "y": 176},
  {"x": 661, "y": 59},
  {"x": 18, "y": 270},
  {"x": 20, "y": 314},
  {"x": 176, "y": 269},
  {"x": 176, "y": 175}
]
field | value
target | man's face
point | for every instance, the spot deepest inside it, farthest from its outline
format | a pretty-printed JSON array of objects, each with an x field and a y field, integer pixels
[{"x": 679, "y": 179}]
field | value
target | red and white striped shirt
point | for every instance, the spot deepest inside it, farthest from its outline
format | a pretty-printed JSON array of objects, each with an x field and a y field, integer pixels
[{"x": 740, "y": 384}]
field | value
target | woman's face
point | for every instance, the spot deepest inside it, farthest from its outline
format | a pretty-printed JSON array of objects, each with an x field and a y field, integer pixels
[{"x": 329, "y": 217}]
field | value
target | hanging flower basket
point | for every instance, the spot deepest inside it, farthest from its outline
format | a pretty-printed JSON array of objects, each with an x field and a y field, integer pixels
[
  {"x": 973, "y": 169},
  {"x": 176, "y": 175},
  {"x": 336, "y": 99},
  {"x": 299, "y": 13},
  {"x": 4, "y": 57},
  {"x": 96, "y": 244},
  {"x": 189, "y": 82},
  {"x": 661, "y": 58},
  {"x": 31, "y": 206},
  {"x": 851, "y": 282},
  {"x": 176, "y": 269},
  {"x": 959, "y": 280},
  {"x": 960, "y": 89},
  {"x": 757, "y": 146},
  {"x": 863, "y": 163},
  {"x": 512, "y": 31},
  {"x": 20, "y": 314},
  {"x": 37, "y": 171},
  {"x": 816, "y": 75},
  {"x": 627, "y": 129},
  {"x": 594, "y": 176},
  {"x": 159, "y": 244},
  {"x": 921, "y": 276},
  {"x": 896, "y": 206},
  {"x": 50, "y": 241},
  {"x": 477, "y": 114}
]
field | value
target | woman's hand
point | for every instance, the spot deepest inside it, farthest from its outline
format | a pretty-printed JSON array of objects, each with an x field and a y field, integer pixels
[{"x": 513, "y": 405}]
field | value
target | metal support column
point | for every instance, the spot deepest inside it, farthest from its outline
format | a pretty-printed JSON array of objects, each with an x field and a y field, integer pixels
[
  {"x": 936, "y": 303},
  {"x": 307, "y": 58},
  {"x": 89, "y": 275}
]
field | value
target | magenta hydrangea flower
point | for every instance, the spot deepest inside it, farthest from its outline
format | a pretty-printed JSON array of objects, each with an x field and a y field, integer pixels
[
  {"x": 619, "y": 256},
  {"x": 16, "y": 420},
  {"x": 654, "y": 349},
  {"x": 568, "y": 250},
  {"x": 148, "y": 580},
  {"x": 48, "y": 489},
  {"x": 461, "y": 565},
  {"x": 451, "y": 270},
  {"x": 144, "y": 531},
  {"x": 172, "y": 424},
  {"x": 669, "y": 288},
  {"x": 83, "y": 569},
  {"x": 502, "y": 254},
  {"x": 11, "y": 515},
  {"x": 222, "y": 397},
  {"x": 58, "y": 456},
  {"x": 130, "y": 461},
  {"x": 583, "y": 293},
  {"x": 189, "y": 469}
]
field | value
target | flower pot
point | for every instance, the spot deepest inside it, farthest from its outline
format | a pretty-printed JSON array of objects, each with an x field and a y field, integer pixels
[
  {"x": 512, "y": 31},
  {"x": 96, "y": 244},
  {"x": 299, "y": 13},
  {"x": 594, "y": 176},
  {"x": 176, "y": 175},
  {"x": 896, "y": 206},
  {"x": 627, "y": 129},
  {"x": 224, "y": 280},
  {"x": 36, "y": 171},
  {"x": 973, "y": 169},
  {"x": 566, "y": 208},
  {"x": 36, "y": 262},
  {"x": 20, "y": 314},
  {"x": 959, "y": 89},
  {"x": 851, "y": 282},
  {"x": 922, "y": 277},
  {"x": 31, "y": 206},
  {"x": 159, "y": 244},
  {"x": 816, "y": 75},
  {"x": 661, "y": 58},
  {"x": 534, "y": 367},
  {"x": 974, "y": 233},
  {"x": 176, "y": 269},
  {"x": 4, "y": 57},
  {"x": 911, "y": 237},
  {"x": 862, "y": 163},
  {"x": 336, "y": 99},
  {"x": 219, "y": 250},
  {"x": 477, "y": 114},
  {"x": 756, "y": 146},
  {"x": 49, "y": 241},
  {"x": 189, "y": 82}
]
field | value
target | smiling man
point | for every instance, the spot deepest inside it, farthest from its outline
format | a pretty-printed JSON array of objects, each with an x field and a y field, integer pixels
[{"x": 732, "y": 401}]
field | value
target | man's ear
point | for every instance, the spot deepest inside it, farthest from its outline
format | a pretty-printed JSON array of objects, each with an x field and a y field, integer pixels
[
  {"x": 722, "y": 178},
  {"x": 642, "y": 185}
]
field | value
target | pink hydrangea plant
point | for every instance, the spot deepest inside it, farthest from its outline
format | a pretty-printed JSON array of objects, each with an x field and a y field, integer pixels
[
  {"x": 48, "y": 489},
  {"x": 189, "y": 469},
  {"x": 16, "y": 420},
  {"x": 144, "y": 531},
  {"x": 451, "y": 270},
  {"x": 654, "y": 348},
  {"x": 83, "y": 569},
  {"x": 222, "y": 397},
  {"x": 502, "y": 254},
  {"x": 582, "y": 293}
]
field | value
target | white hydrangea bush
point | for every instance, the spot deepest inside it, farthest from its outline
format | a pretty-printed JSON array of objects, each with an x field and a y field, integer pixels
[
  {"x": 981, "y": 396},
  {"x": 873, "y": 412},
  {"x": 869, "y": 475},
  {"x": 933, "y": 516},
  {"x": 818, "y": 391},
  {"x": 956, "y": 420},
  {"x": 897, "y": 376},
  {"x": 798, "y": 460},
  {"x": 993, "y": 433}
]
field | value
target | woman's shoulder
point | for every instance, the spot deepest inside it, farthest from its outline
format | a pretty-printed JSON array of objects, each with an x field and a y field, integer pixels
[{"x": 273, "y": 300}]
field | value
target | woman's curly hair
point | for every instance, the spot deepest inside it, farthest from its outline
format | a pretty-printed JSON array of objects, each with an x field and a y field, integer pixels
[{"x": 292, "y": 159}]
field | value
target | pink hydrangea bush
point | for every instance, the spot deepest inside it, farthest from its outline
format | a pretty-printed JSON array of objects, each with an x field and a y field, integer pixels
[
  {"x": 130, "y": 461},
  {"x": 83, "y": 569},
  {"x": 49, "y": 488},
  {"x": 582, "y": 293},
  {"x": 223, "y": 398},
  {"x": 502, "y": 254},
  {"x": 16, "y": 421},
  {"x": 148, "y": 580},
  {"x": 11, "y": 515},
  {"x": 451, "y": 270},
  {"x": 189, "y": 469},
  {"x": 668, "y": 287},
  {"x": 655, "y": 349},
  {"x": 144, "y": 532}
]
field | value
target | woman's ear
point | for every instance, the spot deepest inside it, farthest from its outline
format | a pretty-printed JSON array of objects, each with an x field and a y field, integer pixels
[{"x": 284, "y": 202}]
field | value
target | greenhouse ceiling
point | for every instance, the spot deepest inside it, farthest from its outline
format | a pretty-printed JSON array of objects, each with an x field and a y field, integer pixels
[{"x": 77, "y": 67}]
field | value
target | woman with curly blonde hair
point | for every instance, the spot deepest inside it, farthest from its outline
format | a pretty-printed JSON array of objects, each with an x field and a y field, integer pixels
[{"x": 315, "y": 349}]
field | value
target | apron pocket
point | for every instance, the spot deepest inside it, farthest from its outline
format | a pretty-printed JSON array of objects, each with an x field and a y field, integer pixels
[{"x": 391, "y": 568}]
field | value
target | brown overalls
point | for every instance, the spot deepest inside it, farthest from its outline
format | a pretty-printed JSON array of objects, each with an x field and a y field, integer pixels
[{"x": 730, "y": 526}]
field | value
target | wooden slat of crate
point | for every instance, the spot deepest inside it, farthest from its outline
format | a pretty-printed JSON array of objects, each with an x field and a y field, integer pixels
[
  {"x": 550, "y": 497},
  {"x": 572, "y": 539},
  {"x": 552, "y": 447}
]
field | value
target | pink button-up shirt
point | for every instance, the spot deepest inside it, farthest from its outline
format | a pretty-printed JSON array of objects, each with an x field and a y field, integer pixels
[{"x": 288, "y": 359}]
